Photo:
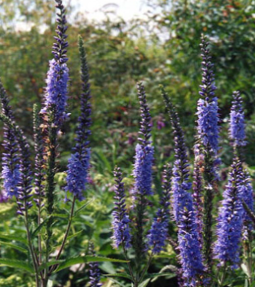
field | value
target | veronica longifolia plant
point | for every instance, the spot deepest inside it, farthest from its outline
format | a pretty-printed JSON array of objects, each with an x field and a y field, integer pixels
[
  {"x": 19, "y": 177},
  {"x": 129, "y": 233}
]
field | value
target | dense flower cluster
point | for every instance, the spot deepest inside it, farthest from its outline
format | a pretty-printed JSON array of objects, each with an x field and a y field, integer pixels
[
  {"x": 159, "y": 230},
  {"x": 58, "y": 74},
  {"x": 11, "y": 157},
  {"x": 94, "y": 272},
  {"x": 237, "y": 124},
  {"x": 144, "y": 150},
  {"x": 188, "y": 238},
  {"x": 190, "y": 253},
  {"x": 207, "y": 112},
  {"x": 78, "y": 163},
  {"x": 230, "y": 221},
  {"x": 207, "y": 108},
  {"x": 143, "y": 169},
  {"x": 77, "y": 174},
  {"x": 56, "y": 91},
  {"x": 120, "y": 224}
]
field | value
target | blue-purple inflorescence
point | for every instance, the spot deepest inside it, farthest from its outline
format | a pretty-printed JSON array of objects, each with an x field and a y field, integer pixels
[
  {"x": 39, "y": 175},
  {"x": 11, "y": 157},
  {"x": 184, "y": 214},
  {"x": 230, "y": 220},
  {"x": 120, "y": 224},
  {"x": 198, "y": 190},
  {"x": 144, "y": 150},
  {"x": 143, "y": 169},
  {"x": 190, "y": 252},
  {"x": 207, "y": 108},
  {"x": 78, "y": 163},
  {"x": 237, "y": 123},
  {"x": 180, "y": 178},
  {"x": 58, "y": 74},
  {"x": 94, "y": 272},
  {"x": 159, "y": 230},
  {"x": 16, "y": 172},
  {"x": 246, "y": 190}
]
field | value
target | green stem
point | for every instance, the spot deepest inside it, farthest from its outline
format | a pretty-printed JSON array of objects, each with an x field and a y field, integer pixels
[
  {"x": 145, "y": 268},
  {"x": 65, "y": 237},
  {"x": 31, "y": 249},
  {"x": 129, "y": 265}
]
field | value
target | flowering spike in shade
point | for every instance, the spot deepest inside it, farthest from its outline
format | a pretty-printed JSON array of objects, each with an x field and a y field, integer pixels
[
  {"x": 94, "y": 272},
  {"x": 11, "y": 157},
  {"x": 230, "y": 220},
  {"x": 207, "y": 108},
  {"x": 159, "y": 230},
  {"x": 144, "y": 150},
  {"x": 78, "y": 163},
  {"x": 120, "y": 224},
  {"x": 58, "y": 74},
  {"x": 237, "y": 124},
  {"x": 189, "y": 247},
  {"x": 180, "y": 178},
  {"x": 143, "y": 169}
]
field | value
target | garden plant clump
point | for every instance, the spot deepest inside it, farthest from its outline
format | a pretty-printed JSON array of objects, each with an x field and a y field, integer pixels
[{"x": 182, "y": 223}]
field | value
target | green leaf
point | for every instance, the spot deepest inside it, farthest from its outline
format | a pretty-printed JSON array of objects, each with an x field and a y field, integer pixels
[
  {"x": 35, "y": 232},
  {"x": 161, "y": 274},
  {"x": 85, "y": 259},
  {"x": 12, "y": 237},
  {"x": 122, "y": 275},
  {"x": 74, "y": 235},
  {"x": 145, "y": 283},
  {"x": 51, "y": 263},
  {"x": 83, "y": 206},
  {"x": 21, "y": 249},
  {"x": 119, "y": 283},
  {"x": 16, "y": 264},
  {"x": 65, "y": 216}
]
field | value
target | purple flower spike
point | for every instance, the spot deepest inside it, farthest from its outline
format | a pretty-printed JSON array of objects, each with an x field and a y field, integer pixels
[
  {"x": 159, "y": 230},
  {"x": 207, "y": 108},
  {"x": 143, "y": 169},
  {"x": 190, "y": 254},
  {"x": 77, "y": 175},
  {"x": 237, "y": 124},
  {"x": 246, "y": 191},
  {"x": 144, "y": 150},
  {"x": 94, "y": 272},
  {"x": 230, "y": 221},
  {"x": 78, "y": 163},
  {"x": 58, "y": 74},
  {"x": 11, "y": 157},
  {"x": 56, "y": 91},
  {"x": 120, "y": 224}
]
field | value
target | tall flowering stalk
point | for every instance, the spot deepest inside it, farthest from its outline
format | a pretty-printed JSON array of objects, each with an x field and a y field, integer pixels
[
  {"x": 78, "y": 163},
  {"x": 230, "y": 220},
  {"x": 121, "y": 221},
  {"x": 188, "y": 238},
  {"x": 238, "y": 137},
  {"x": 94, "y": 272},
  {"x": 159, "y": 230},
  {"x": 142, "y": 173},
  {"x": 11, "y": 158},
  {"x": 54, "y": 112},
  {"x": 208, "y": 134},
  {"x": 198, "y": 190}
]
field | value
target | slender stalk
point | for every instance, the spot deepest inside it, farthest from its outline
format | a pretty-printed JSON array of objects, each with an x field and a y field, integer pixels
[
  {"x": 65, "y": 237},
  {"x": 145, "y": 268},
  {"x": 129, "y": 265},
  {"x": 31, "y": 249}
]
